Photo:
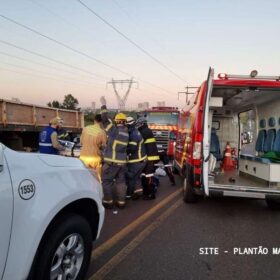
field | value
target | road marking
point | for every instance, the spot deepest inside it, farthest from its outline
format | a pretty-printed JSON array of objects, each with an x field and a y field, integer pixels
[
  {"x": 119, "y": 257},
  {"x": 129, "y": 228}
]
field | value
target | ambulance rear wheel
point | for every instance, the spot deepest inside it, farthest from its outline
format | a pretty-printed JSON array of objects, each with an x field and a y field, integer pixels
[
  {"x": 189, "y": 195},
  {"x": 273, "y": 204}
]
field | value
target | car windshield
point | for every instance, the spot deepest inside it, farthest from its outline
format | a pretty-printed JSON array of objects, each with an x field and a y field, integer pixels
[{"x": 165, "y": 118}]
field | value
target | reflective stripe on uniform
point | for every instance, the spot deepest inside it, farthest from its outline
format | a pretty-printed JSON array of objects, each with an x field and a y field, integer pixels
[
  {"x": 153, "y": 158},
  {"x": 116, "y": 142},
  {"x": 132, "y": 143},
  {"x": 137, "y": 160},
  {"x": 107, "y": 201},
  {"x": 150, "y": 140},
  {"x": 114, "y": 160},
  {"x": 103, "y": 111},
  {"x": 123, "y": 133},
  {"x": 149, "y": 175},
  {"x": 138, "y": 191},
  {"x": 140, "y": 148},
  {"x": 45, "y": 144},
  {"x": 120, "y": 202}
]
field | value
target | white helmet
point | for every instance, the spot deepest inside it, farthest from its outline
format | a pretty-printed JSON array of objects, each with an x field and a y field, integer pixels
[{"x": 130, "y": 121}]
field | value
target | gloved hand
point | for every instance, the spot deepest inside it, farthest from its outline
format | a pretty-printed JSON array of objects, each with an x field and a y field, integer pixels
[{"x": 103, "y": 101}]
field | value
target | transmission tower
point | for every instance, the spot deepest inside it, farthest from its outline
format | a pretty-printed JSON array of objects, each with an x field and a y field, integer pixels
[
  {"x": 122, "y": 100},
  {"x": 187, "y": 92}
]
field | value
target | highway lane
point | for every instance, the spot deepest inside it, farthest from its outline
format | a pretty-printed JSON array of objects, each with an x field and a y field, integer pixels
[{"x": 167, "y": 245}]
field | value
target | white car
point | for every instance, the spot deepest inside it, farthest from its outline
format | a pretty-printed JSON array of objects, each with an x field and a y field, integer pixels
[{"x": 50, "y": 212}]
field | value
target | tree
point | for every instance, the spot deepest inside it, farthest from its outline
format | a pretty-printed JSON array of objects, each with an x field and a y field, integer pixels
[
  {"x": 54, "y": 104},
  {"x": 70, "y": 102}
]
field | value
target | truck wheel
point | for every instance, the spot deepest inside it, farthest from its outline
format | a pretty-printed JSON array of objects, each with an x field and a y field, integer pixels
[
  {"x": 273, "y": 204},
  {"x": 66, "y": 250},
  {"x": 189, "y": 195}
]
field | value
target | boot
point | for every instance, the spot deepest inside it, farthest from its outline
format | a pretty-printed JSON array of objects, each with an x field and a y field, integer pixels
[{"x": 170, "y": 175}]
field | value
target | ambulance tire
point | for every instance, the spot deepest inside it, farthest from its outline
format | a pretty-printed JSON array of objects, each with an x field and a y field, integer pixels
[
  {"x": 72, "y": 231},
  {"x": 189, "y": 196},
  {"x": 273, "y": 204}
]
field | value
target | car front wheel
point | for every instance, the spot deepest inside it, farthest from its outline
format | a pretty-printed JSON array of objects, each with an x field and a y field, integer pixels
[{"x": 66, "y": 250}]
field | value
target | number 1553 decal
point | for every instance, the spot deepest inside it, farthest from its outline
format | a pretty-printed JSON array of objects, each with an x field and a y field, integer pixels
[{"x": 26, "y": 189}]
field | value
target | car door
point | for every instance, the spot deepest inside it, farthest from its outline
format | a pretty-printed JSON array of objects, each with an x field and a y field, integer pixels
[
  {"x": 206, "y": 138},
  {"x": 6, "y": 210}
]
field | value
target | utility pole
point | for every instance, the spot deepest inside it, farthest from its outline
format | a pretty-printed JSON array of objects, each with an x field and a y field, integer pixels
[
  {"x": 187, "y": 92},
  {"x": 122, "y": 100}
]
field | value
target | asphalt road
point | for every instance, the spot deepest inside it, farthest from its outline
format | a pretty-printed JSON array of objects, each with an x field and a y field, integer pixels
[{"x": 163, "y": 239}]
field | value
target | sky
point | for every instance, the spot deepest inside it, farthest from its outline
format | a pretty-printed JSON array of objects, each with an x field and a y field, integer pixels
[{"x": 180, "y": 39}]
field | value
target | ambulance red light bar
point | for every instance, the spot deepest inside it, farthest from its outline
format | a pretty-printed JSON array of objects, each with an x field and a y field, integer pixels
[{"x": 253, "y": 75}]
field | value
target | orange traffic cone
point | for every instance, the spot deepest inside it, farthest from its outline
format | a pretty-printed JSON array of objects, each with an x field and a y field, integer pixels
[{"x": 228, "y": 163}]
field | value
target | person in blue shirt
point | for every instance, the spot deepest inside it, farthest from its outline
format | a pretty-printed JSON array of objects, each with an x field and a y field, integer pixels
[{"x": 48, "y": 140}]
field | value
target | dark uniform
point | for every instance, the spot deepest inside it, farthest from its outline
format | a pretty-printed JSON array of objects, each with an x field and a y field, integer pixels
[
  {"x": 152, "y": 157},
  {"x": 167, "y": 166},
  {"x": 115, "y": 159},
  {"x": 137, "y": 159}
]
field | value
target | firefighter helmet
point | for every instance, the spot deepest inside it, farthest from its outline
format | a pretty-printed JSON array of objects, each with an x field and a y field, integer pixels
[
  {"x": 130, "y": 121},
  {"x": 120, "y": 117}
]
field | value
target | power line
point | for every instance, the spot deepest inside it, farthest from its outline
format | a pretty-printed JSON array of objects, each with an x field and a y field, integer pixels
[
  {"x": 32, "y": 75},
  {"x": 42, "y": 72},
  {"x": 52, "y": 59},
  {"x": 64, "y": 45},
  {"x": 117, "y": 4},
  {"x": 156, "y": 42},
  {"x": 53, "y": 13},
  {"x": 72, "y": 49},
  {"x": 131, "y": 41},
  {"x": 37, "y": 63}
]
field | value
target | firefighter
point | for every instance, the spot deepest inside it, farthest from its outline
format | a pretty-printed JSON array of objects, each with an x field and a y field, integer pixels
[
  {"x": 93, "y": 140},
  {"x": 137, "y": 159},
  {"x": 48, "y": 140},
  {"x": 115, "y": 158},
  {"x": 152, "y": 157}
]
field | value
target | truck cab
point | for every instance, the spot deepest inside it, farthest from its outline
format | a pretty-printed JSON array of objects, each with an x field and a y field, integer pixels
[
  {"x": 163, "y": 121},
  {"x": 228, "y": 141},
  {"x": 50, "y": 211}
]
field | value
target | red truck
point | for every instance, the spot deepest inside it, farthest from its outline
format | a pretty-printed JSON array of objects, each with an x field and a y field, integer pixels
[
  {"x": 163, "y": 121},
  {"x": 228, "y": 141}
]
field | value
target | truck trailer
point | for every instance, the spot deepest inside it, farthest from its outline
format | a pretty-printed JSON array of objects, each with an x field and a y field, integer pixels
[{"x": 21, "y": 123}]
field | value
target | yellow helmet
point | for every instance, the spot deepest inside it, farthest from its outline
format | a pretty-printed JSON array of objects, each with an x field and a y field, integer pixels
[{"x": 120, "y": 117}]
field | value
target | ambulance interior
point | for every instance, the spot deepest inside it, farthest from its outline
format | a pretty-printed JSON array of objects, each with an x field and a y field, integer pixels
[{"x": 244, "y": 133}]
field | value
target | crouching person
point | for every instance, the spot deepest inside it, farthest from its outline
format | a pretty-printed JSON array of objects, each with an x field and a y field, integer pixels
[
  {"x": 115, "y": 159},
  {"x": 137, "y": 159}
]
